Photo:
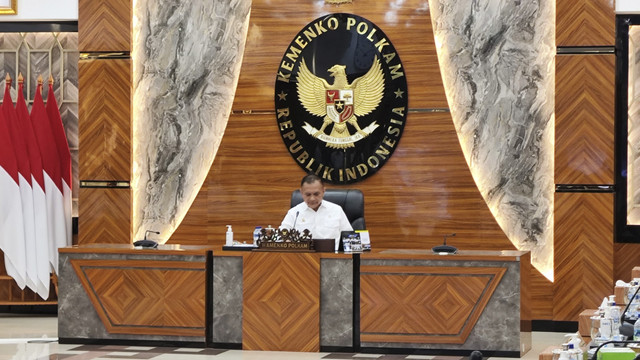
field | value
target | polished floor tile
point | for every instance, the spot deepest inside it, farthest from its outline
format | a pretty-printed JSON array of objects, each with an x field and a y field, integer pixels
[{"x": 35, "y": 338}]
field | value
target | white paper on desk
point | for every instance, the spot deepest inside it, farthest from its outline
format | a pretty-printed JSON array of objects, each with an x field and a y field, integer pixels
[{"x": 364, "y": 239}]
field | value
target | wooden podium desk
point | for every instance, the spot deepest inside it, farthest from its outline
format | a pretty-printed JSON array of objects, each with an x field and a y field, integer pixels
[
  {"x": 114, "y": 293},
  {"x": 403, "y": 301},
  {"x": 384, "y": 301},
  {"x": 283, "y": 301}
]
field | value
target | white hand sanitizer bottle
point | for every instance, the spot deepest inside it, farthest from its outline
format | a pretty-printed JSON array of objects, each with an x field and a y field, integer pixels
[{"x": 229, "y": 238}]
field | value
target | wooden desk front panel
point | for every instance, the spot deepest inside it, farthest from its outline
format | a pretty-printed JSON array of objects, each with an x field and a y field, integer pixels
[
  {"x": 146, "y": 297},
  {"x": 114, "y": 292},
  {"x": 423, "y": 304},
  {"x": 474, "y": 300},
  {"x": 281, "y": 302}
]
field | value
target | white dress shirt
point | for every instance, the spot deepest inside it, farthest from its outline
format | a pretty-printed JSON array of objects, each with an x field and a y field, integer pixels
[{"x": 326, "y": 223}]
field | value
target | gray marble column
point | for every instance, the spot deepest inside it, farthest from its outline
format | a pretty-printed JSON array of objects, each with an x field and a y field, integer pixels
[
  {"x": 186, "y": 62},
  {"x": 497, "y": 64}
]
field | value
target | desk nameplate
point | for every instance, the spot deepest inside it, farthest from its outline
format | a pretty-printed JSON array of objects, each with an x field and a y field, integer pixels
[{"x": 286, "y": 246}]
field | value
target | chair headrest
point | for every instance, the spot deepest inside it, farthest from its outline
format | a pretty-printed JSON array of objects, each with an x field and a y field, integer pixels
[{"x": 351, "y": 201}]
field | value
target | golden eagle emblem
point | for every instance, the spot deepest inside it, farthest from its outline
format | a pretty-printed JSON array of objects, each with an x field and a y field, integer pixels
[{"x": 340, "y": 103}]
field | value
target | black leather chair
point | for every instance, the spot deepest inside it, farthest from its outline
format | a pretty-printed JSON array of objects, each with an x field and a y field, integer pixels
[{"x": 351, "y": 201}]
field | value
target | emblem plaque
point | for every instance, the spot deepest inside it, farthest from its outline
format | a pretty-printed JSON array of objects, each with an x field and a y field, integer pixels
[{"x": 341, "y": 98}]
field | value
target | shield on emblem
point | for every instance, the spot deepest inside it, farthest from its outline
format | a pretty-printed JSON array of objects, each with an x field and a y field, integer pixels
[{"x": 339, "y": 104}]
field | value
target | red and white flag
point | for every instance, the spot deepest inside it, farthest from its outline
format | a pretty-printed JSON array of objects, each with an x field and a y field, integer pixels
[
  {"x": 33, "y": 197},
  {"x": 12, "y": 238},
  {"x": 64, "y": 154},
  {"x": 51, "y": 169}
]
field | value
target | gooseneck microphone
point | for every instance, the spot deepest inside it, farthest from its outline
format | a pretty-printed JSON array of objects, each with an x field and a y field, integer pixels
[
  {"x": 444, "y": 248},
  {"x": 295, "y": 220},
  {"x": 147, "y": 243},
  {"x": 150, "y": 231}
]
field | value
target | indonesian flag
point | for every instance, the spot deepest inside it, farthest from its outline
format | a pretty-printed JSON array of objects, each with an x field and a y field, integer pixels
[
  {"x": 33, "y": 197},
  {"x": 12, "y": 238},
  {"x": 51, "y": 170},
  {"x": 64, "y": 154}
]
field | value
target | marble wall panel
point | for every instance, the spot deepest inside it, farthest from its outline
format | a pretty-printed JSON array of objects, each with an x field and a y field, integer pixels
[
  {"x": 633, "y": 126},
  {"x": 496, "y": 59},
  {"x": 187, "y": 58}
]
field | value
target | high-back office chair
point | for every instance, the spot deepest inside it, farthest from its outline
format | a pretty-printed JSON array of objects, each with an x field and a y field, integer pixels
[{"x": 351, "y": 201}]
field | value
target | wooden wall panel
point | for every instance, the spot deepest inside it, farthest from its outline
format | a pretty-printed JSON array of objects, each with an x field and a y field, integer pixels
[
  {"x": 585, "y": 22},
  {"x": 104, "y": 128},
  {"x": 104, "y": 25},
  {"x": 104, "y": 216},
  {"x": 274, "y": 24},
  {"x": 583, "y": 252},
  {"x": 626, "y": 257},
  {"x": 424, "y": 191},
  {"x": 585, "y": 97},
  {"x": 11, "y": 294},
  {"x": 541, "y": 299}
]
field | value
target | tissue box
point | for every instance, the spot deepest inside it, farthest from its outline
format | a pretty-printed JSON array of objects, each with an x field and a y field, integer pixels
[{"x": 616, "y": 353}]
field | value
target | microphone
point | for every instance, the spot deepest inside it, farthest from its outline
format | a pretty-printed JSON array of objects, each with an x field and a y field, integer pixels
[
  {"x": 147, "y": 243},
  {"x": 444, "y": 248},
  {"x": 475, "y": 355},
  {"x": 155, "y": 232},
  {"x": 296, "y": 220}
]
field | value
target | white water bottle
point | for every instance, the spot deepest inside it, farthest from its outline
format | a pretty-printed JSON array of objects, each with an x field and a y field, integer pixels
[
  {"x": 229, "y": 238},
  {"x": 614, "y": 314}
]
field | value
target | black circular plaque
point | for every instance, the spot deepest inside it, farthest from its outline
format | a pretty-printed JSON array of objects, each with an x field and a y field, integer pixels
[{"x": 341, "y": 98}]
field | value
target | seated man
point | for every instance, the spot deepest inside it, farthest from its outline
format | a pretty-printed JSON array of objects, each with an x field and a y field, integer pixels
[{"x": 324, "y": 219}]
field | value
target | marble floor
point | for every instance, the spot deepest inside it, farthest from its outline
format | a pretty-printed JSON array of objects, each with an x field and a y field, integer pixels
[{"x": 35, "y": 338}]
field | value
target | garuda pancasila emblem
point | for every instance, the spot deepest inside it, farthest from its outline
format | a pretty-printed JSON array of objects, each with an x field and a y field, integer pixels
[{"x": 340, "y": 103}]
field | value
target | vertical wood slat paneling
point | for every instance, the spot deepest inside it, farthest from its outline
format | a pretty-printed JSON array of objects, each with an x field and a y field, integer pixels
[
  {"x": 585, "y": 23},
  {"x": 541, "y": 299},
  {"x": 104, "y": 216},
  {"x": 584, "y": 106},
  {"x": 583, "y": 252},
  {"x": 273, "y": 25},
  {"x": 104, "y": 25},
  {"x": 104, "y": 127},
  {"x": 11, "y": 294}
]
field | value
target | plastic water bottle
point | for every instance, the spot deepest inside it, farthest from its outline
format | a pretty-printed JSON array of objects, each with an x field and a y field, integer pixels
[
  {"x": 614, "y": 313},
  {"x": 256, "y": 234},
  {"x": 633, "y": 308},
  {"x": 636, "y": 330}
]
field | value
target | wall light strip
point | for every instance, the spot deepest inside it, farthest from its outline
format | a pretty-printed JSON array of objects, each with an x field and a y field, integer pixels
[
  {"x": 105, "y": 184},
  {"x": 105, "y": 55},
  {"x": 570, "y": 50},
  {"x": 584, "y": 188}
]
